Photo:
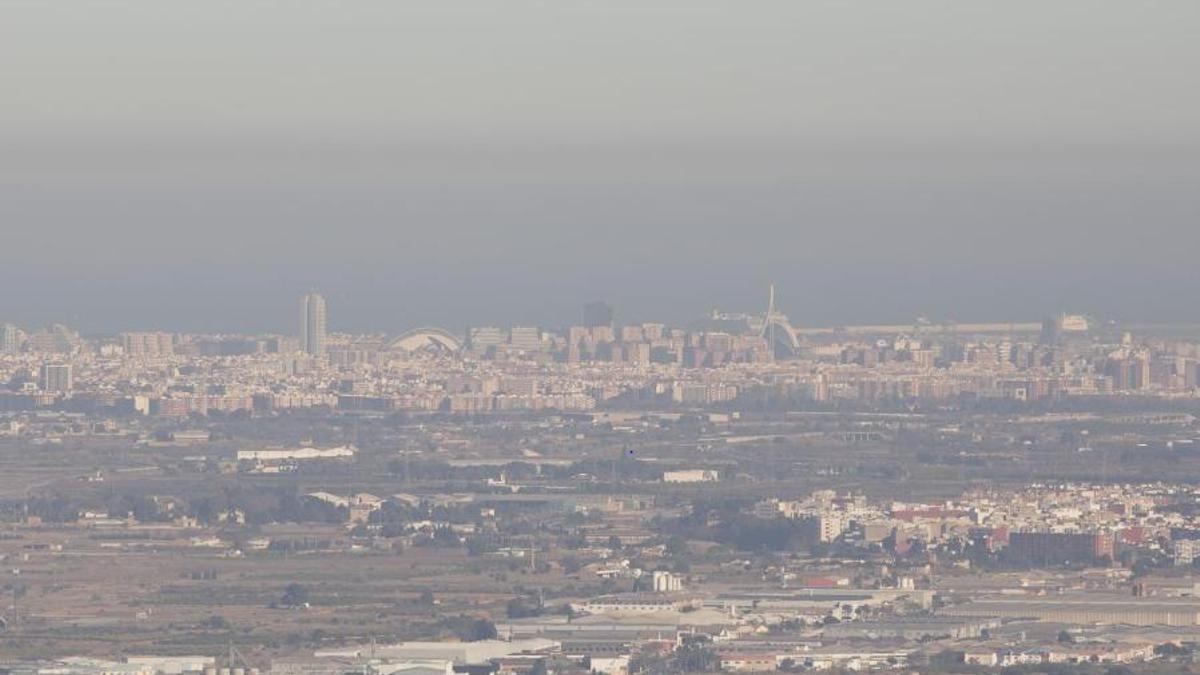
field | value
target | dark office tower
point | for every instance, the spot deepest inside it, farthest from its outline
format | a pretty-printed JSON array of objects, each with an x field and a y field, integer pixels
[
  {"x": 312, "y": 325},
  {"x": 596, "y": 314},
  {"x": 1051, "y": 331}
]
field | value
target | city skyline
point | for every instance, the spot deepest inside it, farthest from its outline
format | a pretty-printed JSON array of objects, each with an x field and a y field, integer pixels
[
  {"x": 965, "y": 160},
  {"x": 368, "y": 320},
  {"x": 601, "y": 338}
]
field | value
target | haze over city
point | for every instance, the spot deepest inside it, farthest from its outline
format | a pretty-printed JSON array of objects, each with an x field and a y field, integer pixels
[
  {"x": 195, "y": 168},
  {"x": 599, "y": 338}
]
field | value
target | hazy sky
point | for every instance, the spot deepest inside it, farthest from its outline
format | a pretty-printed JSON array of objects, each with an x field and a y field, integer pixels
[{"x": 200, "y": 165}]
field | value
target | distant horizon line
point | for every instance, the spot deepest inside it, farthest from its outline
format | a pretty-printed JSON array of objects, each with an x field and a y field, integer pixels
[{"x": 942, "y": 327}]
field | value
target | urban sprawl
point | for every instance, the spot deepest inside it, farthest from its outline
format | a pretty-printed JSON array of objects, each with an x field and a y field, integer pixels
[{"x": 738, "y": 494}]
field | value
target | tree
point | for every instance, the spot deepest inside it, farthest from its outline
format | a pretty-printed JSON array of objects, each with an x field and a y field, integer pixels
[
  {"x": 695, "y": 658},
  {"x": 294, "y": 595},
  {"x": 473, "y": 630},
  {"x": 649, "y": 661},
  {"x": 1171, "y": 649},
  {"x": 517, "y": 608},
  {"x": 946, "y": 659},
  {"x": 676, "y": 546}
]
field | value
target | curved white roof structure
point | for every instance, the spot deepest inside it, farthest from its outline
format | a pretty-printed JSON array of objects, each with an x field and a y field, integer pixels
[{"x": 424, "y": 338}]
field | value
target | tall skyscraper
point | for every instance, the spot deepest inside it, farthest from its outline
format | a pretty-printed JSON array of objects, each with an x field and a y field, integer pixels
[
  {"x": 596, "y": 314},
  {"x": 1051, "y": 331},
  {"x": 312, "y": 325},
  {"x": 56, "y": 378},
  {"x": 10, "y": 342}
]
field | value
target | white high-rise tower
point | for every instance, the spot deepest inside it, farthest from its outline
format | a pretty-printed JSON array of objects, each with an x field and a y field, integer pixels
[{"x": 312, "y": 325}]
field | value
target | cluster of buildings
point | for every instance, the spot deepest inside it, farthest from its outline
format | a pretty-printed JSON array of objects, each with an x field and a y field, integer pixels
[
  {"x": 719, "y": 361},
  {"x": 835, "y": 580},
  {"x": 1038, "y": 526}
]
